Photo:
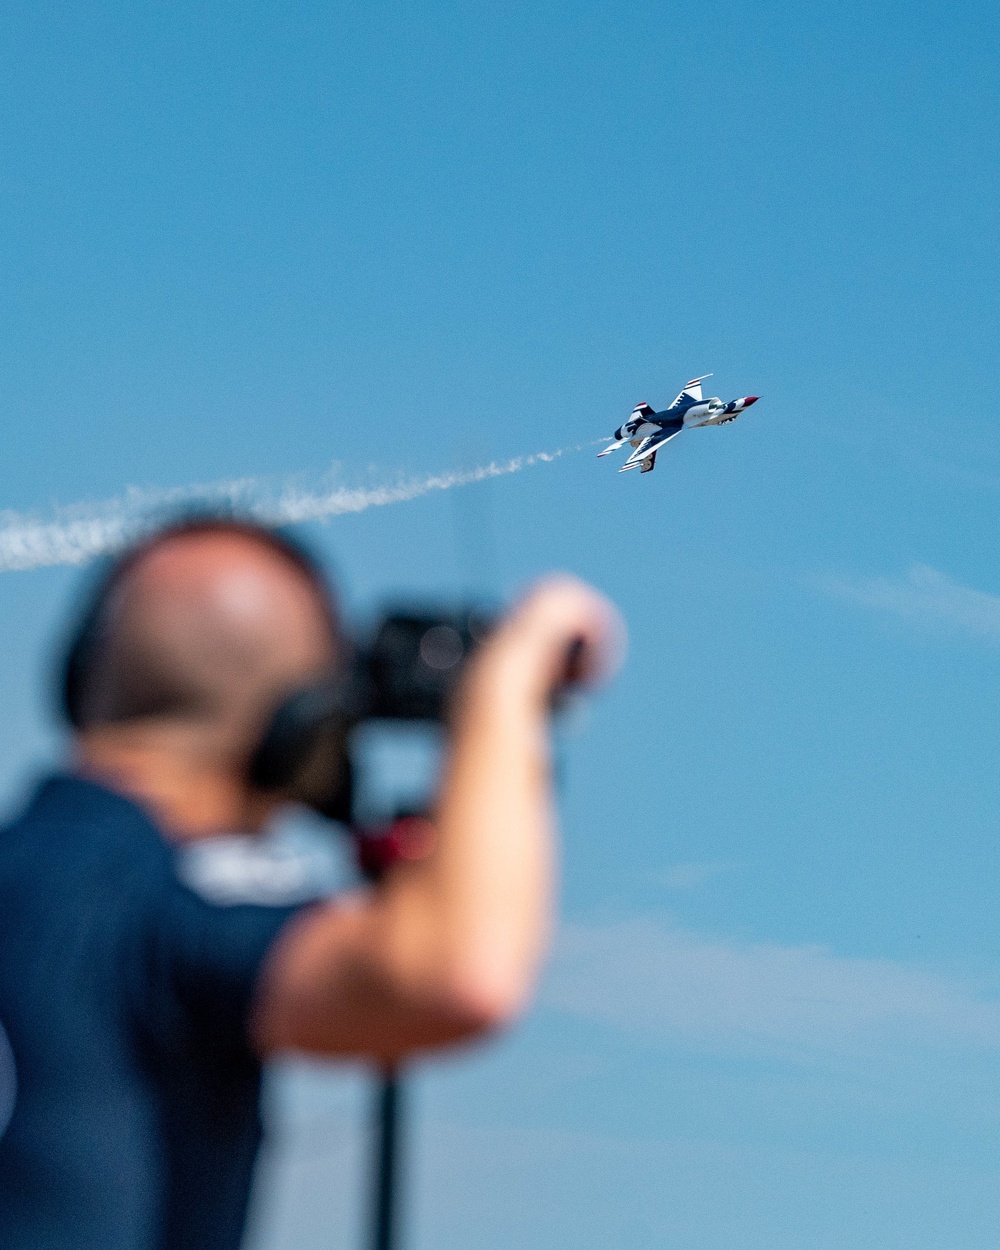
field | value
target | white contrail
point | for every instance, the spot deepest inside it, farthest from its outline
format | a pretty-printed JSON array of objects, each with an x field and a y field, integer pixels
[{"x": 79, "y": 532}]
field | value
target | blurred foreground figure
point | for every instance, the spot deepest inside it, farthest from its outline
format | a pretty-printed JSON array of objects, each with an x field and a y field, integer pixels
[{"x": 137, "y": 1012}]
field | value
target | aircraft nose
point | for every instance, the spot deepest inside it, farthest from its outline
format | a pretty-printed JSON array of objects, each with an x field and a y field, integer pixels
[{"x": 750, "y": 399}]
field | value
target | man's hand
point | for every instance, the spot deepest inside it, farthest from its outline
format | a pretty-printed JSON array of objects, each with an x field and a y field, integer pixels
[
  {"x": 448, "y": 948},
  {"x": 561, "y": 621}
]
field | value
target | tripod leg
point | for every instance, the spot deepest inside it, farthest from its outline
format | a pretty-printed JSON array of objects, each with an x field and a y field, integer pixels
[{"x": 385, "y": 1206}]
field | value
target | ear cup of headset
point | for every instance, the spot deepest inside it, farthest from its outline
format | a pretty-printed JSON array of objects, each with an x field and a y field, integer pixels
[{"x": 303, "y": 753}]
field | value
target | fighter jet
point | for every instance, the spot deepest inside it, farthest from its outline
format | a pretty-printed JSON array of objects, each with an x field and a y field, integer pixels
[{"x": 647, "y": 430}]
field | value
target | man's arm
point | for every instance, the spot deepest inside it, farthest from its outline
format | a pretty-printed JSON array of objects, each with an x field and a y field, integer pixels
[{"x": 448, "y": 948}]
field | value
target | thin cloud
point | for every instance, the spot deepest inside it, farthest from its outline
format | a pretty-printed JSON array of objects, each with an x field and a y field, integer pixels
[
  {"x": 690, "y": 876},
  {"x": 925, "y": 596},
  {"x": 678, "y": 987}
]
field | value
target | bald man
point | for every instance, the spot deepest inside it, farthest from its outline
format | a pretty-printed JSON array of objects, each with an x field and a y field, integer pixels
[{"x": 137, "y": 1012}]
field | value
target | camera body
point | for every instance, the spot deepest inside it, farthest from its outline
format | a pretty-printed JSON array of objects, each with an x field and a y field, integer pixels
[
  {"x": 406, "y": 671},
  {"x": 409, "y": 670}
]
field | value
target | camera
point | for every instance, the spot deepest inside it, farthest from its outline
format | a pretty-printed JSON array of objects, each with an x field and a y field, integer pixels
[
  {"x": 409, "y": 670},
  {"x": 405, "y": 671}
]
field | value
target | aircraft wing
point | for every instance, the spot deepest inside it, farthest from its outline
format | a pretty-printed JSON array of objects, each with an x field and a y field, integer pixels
[
  {"x": 692, "y": 390},
  {"x": 646, "y": 448},
  {"x": 612, "y": 446}
]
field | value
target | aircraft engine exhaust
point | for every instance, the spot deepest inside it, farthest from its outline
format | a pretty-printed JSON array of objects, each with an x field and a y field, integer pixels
[{"x": 80, "y": 532}]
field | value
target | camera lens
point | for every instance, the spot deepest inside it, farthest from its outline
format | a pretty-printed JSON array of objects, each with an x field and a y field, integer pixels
[{"x": 441, "y": 648}]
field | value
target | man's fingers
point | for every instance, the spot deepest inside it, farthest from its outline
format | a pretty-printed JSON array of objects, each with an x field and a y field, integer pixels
[{"x": 574, "y": 634}]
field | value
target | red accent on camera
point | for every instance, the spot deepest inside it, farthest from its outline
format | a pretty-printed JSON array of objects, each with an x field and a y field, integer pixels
[{"x": 406, "y": 840}]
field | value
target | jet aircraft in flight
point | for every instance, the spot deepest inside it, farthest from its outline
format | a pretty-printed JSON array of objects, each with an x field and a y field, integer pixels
[{"x": 647, "y": 430}]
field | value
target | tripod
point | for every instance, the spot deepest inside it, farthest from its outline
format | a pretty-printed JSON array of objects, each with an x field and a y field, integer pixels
[
  {"x": 410, "y": 837},
  {"x": 384, "y": 1213}
]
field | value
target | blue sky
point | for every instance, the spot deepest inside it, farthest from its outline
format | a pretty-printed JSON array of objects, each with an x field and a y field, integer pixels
[{"x": 344, "y": 243}]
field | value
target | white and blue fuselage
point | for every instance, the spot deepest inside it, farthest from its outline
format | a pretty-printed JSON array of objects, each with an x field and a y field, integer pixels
[{"x": 647, "y": 430}]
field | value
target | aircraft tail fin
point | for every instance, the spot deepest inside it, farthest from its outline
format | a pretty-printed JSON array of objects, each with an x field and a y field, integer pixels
[
  {"x": 692, "y": 390},
  {"x": 648, "y": 464}
]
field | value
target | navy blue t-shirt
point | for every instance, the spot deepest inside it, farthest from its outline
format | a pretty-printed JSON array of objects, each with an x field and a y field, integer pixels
[{"x": 125, "y": 997}]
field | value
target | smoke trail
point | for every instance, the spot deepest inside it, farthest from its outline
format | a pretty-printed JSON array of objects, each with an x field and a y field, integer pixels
[{"x": 81, "y": 531}]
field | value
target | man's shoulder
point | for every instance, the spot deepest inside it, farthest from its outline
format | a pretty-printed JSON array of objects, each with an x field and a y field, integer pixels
[
  {"x": 69, "y": 818},
  {"x": 83, "y": 874}
]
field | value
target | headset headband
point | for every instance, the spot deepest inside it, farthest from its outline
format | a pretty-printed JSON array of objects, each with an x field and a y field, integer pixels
[{"x": 87, "y": 635}]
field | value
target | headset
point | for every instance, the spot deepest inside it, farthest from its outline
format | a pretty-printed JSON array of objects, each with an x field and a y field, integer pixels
[{"x": 302, "y": 754}]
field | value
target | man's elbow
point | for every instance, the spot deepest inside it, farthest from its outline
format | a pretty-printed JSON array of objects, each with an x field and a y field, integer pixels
[
  {"x": 357, "y": 994},
  {"x": 476, "y": 1003}
]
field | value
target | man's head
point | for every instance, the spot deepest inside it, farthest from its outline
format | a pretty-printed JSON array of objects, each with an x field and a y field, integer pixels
[{"x": 195, "y": 637}]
